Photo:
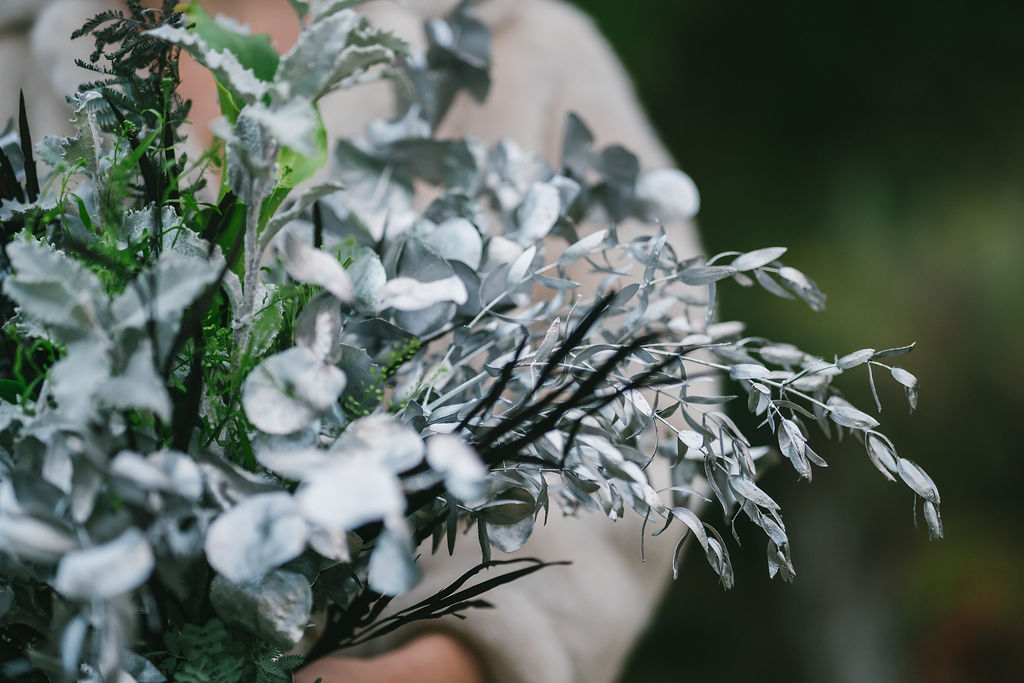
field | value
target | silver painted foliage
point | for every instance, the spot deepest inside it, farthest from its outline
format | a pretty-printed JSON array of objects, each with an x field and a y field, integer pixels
[{"x": 404, "y": 374}]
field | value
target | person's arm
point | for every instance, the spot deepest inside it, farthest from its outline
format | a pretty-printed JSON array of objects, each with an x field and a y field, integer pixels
[{"x": 431, "y": 658}]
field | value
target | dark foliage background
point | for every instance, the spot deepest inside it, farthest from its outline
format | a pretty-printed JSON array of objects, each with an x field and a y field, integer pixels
[{"x": 884, "y": 144}]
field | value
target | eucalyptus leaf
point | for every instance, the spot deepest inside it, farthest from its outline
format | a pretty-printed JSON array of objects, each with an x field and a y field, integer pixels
[
  {"x": 257, "y": 535},
  {"x": 384, "y": 439},
  {"x": 463, "y": 471},
  {"x": 538, "y": 212},
  {"x": 276, "y": 608},
  {"x": 702, "y": 275},
  {"x": 579, "y": 249},
  {"x": 313, "y": 266},
  {"x": 898, "y": 351},
  {"x": 368, "y": 278},
  {"x": 852, "y": 360},
  {"x": 667, "y": 195},
  {"x": 904, "y": 378},
  {"x": 288, "y": 390},
  {"x": 757, "y": 258},
  {"x": 318, "y": 327},
  {"x": 34, "y": 539},
  {"x": 392, "y": 570},
  {"x": 107, "y": 570},
  {"x": 407, "y": 294},
  {"x": 848, "y": 416},
  {"x": 749, "y": 371},
  {"x": 932, "y": 518},
  {"x": 458, "y": 240},
  {"x": 917, "y": 479},
  {"x": 364, "y": 382},
  {"x": 353, "y": 491},
  {"x": 747, "y": 489}
]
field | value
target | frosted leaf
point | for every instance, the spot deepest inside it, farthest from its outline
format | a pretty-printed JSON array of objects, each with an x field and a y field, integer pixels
[
  {"x": 353, "y": 491},
  {"x": 392, "y": 570},
  {"x": 262, "y": 532},
  {"x": 691, "y": 439},
  {"x": 747, "y": 489},
  {"x": 318, "y": 327},
  {"x": 932, "y": 518},
  {"x": 368, "y": 277},
  {"x": 384, "y": 438},
  {"x": 749, "y": 371},
  {"x": 34, "y": 539},
  {"x": 168, "y": 471},
  {"x": 757, "y": 258},
  {"x": 287, "y": 391},
  {"x": 703, "y": 275},
  {"x": 457, "y": 240},
  {"x": 666, "y": 194},
  {"x": 166, "y": 290},
  {"x": 294, "y": 123},
  {"x": 852, "y": 360},
  {"x": 407, "y": 294},
  {"x": 463, "y": 471},
  {"x": 917, "y": 479},
  {"x": 316, "y": 267},
  {"x": 582, "y": 247},
  {"x": 844, "y": 414},
  {"x": 517, "y": 272},
  {"x": 276, "y": 607},
  {"x": 301, "y": 205},
  {"x": 107, "y": 570},
  {"x": 76, "y": 377},
  {"x": 882, "y": 456},
  {"x": 54, "y": 289},
  {"x": 539, "y": 212},
  {"x": 330, "y": 50},
  {"x": 140, "y": 387},
  {"x": 222, "y": 63},
  {"x": 295, "y": 463}
]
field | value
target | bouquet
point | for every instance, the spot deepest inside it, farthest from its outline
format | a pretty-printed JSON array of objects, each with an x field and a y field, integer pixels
[{"x": 235, "y": 401}]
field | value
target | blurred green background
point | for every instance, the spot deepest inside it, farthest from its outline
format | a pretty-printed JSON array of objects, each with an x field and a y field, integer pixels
[{"x": 883, "y": 143}]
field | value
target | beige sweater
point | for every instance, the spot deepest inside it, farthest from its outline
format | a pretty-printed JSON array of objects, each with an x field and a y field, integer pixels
[{"x": 566, "y": 624}]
